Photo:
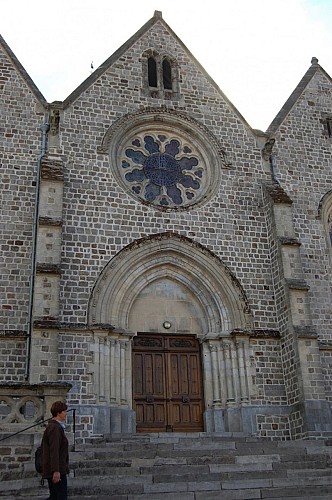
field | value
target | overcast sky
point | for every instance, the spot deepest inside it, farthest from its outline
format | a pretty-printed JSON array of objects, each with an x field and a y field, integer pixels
[{"x": 257, "y": 51}]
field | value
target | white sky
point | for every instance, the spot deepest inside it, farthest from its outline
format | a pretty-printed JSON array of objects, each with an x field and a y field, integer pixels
[{"x": 257, "y": 51}]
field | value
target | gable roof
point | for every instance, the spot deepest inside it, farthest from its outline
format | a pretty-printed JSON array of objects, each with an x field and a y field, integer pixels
[
  {"x": 118, "y": 53},
  {"x": 22, "y": 72},
  {"x": 296, "y": 94}
]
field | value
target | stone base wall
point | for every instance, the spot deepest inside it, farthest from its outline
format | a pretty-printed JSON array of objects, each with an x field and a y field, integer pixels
[
  {"x": 326, "y": 362},
  {"x": 274, "y": 427},
  {"x": 12, "y": 356},
  {"x": 16, "y": 455}
]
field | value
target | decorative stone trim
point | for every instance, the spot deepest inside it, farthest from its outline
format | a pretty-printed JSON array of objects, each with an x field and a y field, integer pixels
[
  {"x": 150, "y": 115},
  {"x": 325, "y": 345},
  {"x": 141, "y": 144},
  {"x": 257, "y": 333},
  {"x": 48, "y": 221},
  {"x": 305, "y": 332},
  {"x": 51, "y": 323},
  {"x": 295, "y": 284},
  {"x": 325, "y": 206},
  {"x": 13, "y": 333},
  {"x": 207, "y": 280},
  {"x": 278, "y": 194},
  {"x": 48, "y": 268},
  {"x": 289, "y": 241},
  {"x": 46, "y": 323},
  {"x": 52, "y": 169},
  {"x": 24, "y": 403}
]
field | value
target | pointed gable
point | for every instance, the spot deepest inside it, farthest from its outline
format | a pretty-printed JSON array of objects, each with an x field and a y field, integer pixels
[
  {"x": 155, "y": 29},
  {"x": 315, "y": 75},
  {"x": 10, "y": 67}
]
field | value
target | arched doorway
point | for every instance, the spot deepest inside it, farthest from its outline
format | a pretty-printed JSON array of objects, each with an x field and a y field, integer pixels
[
  {"x": 171, "y": 289},
  {"x": 167, "y": 367},
  {"x": 167, "y": 383}
]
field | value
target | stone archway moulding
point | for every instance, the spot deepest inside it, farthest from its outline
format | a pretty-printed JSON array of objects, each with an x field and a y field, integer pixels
[
  {"x": 139, "y": 146},
  {"x": 325, "y": 214},
  {"x": 180, "y": 259}
]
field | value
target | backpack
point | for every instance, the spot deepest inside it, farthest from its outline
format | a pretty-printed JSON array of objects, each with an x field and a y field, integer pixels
[{"x": 38, "y": 460}]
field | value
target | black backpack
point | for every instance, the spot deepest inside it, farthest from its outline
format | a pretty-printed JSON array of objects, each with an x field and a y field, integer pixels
[{"x": 38, "y": 460}]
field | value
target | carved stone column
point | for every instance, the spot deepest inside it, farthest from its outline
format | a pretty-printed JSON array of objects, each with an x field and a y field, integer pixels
[
  {"x": 227, "y": 347},
  {"x": 243, "y": 373},
  {"x": 226, "y": 381},
  {"x": 112, "y": 375},
  {"x": 215, "y": 375}
]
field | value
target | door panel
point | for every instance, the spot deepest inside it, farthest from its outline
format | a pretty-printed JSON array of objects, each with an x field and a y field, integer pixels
[
  {"x": 149, "y": 390},
  {"x": 167, "y": 383}
]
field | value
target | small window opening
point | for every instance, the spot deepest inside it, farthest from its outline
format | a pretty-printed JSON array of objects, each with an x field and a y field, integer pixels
[
  {"x": 152, "y": 72},
  {"x": 167, "y": 75},
  {"x": 329, "y": 126}
]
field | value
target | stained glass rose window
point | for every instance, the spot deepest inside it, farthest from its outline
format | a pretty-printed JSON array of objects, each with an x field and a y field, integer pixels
[
  {"x": 163, "y": 158},
  {"x": 163, "y": 169}
]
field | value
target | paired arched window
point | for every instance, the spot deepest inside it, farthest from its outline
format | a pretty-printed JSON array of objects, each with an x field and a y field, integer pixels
[
  {"x": 161, "y": 73},
  {"x": 167, "y": 75},
  {"x": 152, "y": 72}
]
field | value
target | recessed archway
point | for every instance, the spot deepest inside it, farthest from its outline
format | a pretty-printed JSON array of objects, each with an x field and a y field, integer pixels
[{"x": 170, "y": 262}]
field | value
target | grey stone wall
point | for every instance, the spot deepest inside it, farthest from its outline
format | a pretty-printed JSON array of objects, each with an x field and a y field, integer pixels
[
  {"x": 269, "y": 376},
  {"x": 303, "y": 167},
  {"x": 21, "y": 118},
  {"x": 266, "y": 231},
  {"x": 100, "y": 219},
  {"x": 12, "y": 357}
]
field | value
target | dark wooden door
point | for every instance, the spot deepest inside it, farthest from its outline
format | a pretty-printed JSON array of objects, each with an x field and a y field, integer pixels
[{"x": 167, "y": 383}]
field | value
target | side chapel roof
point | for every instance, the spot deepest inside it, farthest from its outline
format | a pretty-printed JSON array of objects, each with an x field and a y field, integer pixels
[
  {"x": 296, "y": 94},
  {"x": 22, "y": 72}
]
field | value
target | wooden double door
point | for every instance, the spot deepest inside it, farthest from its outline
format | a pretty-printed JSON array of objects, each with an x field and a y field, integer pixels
[{"x": 167, "y": 383}]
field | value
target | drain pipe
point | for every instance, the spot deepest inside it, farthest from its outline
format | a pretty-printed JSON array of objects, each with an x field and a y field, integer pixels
[
  {"x": 273, "y": 164},
  {"x": 44, "y": 129}
]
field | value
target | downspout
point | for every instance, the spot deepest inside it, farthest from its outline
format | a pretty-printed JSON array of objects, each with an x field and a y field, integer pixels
[
  {"x": 44, "y": 129},
  {"x": 273, "y": 164}
]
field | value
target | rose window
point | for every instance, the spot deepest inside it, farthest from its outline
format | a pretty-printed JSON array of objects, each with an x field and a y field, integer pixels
[{"x": 163, "y": 170}]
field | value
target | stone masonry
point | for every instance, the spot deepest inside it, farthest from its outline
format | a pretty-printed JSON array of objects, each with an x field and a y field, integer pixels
[{"x": 145, "y": 203}]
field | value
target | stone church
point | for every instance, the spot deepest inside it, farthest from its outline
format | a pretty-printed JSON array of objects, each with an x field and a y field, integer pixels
[{"x": 164, "y": 266}]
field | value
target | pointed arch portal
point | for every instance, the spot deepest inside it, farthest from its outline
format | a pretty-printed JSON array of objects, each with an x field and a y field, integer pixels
[
  {"x": 169, "y": 286},
  {"x": 218, "y": 304}
]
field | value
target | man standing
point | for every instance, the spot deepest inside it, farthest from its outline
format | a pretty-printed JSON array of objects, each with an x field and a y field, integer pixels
[{"x": 55, "y": 461}]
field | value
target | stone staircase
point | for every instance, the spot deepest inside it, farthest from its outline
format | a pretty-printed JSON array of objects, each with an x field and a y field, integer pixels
[{"x": 198, "y": 466}]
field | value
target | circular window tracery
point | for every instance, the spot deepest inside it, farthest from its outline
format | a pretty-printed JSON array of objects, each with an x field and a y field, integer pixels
[
  {"x": 164, "y": 159},
  {"x": 162, "y": 169}
]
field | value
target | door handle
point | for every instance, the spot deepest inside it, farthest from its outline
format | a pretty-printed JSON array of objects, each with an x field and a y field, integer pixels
[
  {"x": 185, "y": 399},
  {"x": 149, "y": 399}
]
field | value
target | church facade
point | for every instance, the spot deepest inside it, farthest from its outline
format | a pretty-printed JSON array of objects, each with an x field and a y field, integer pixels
[{"x": 165, "y": 267}]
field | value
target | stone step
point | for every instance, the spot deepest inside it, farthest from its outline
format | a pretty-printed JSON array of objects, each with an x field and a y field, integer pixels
[
  {"x": 268, "y": 486},
  {"x": 199, "y": 457},
  {"x": 182, "y": 467},
  {"x": 212, "y": 464},
  {"x": 242, "y": 447}
]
